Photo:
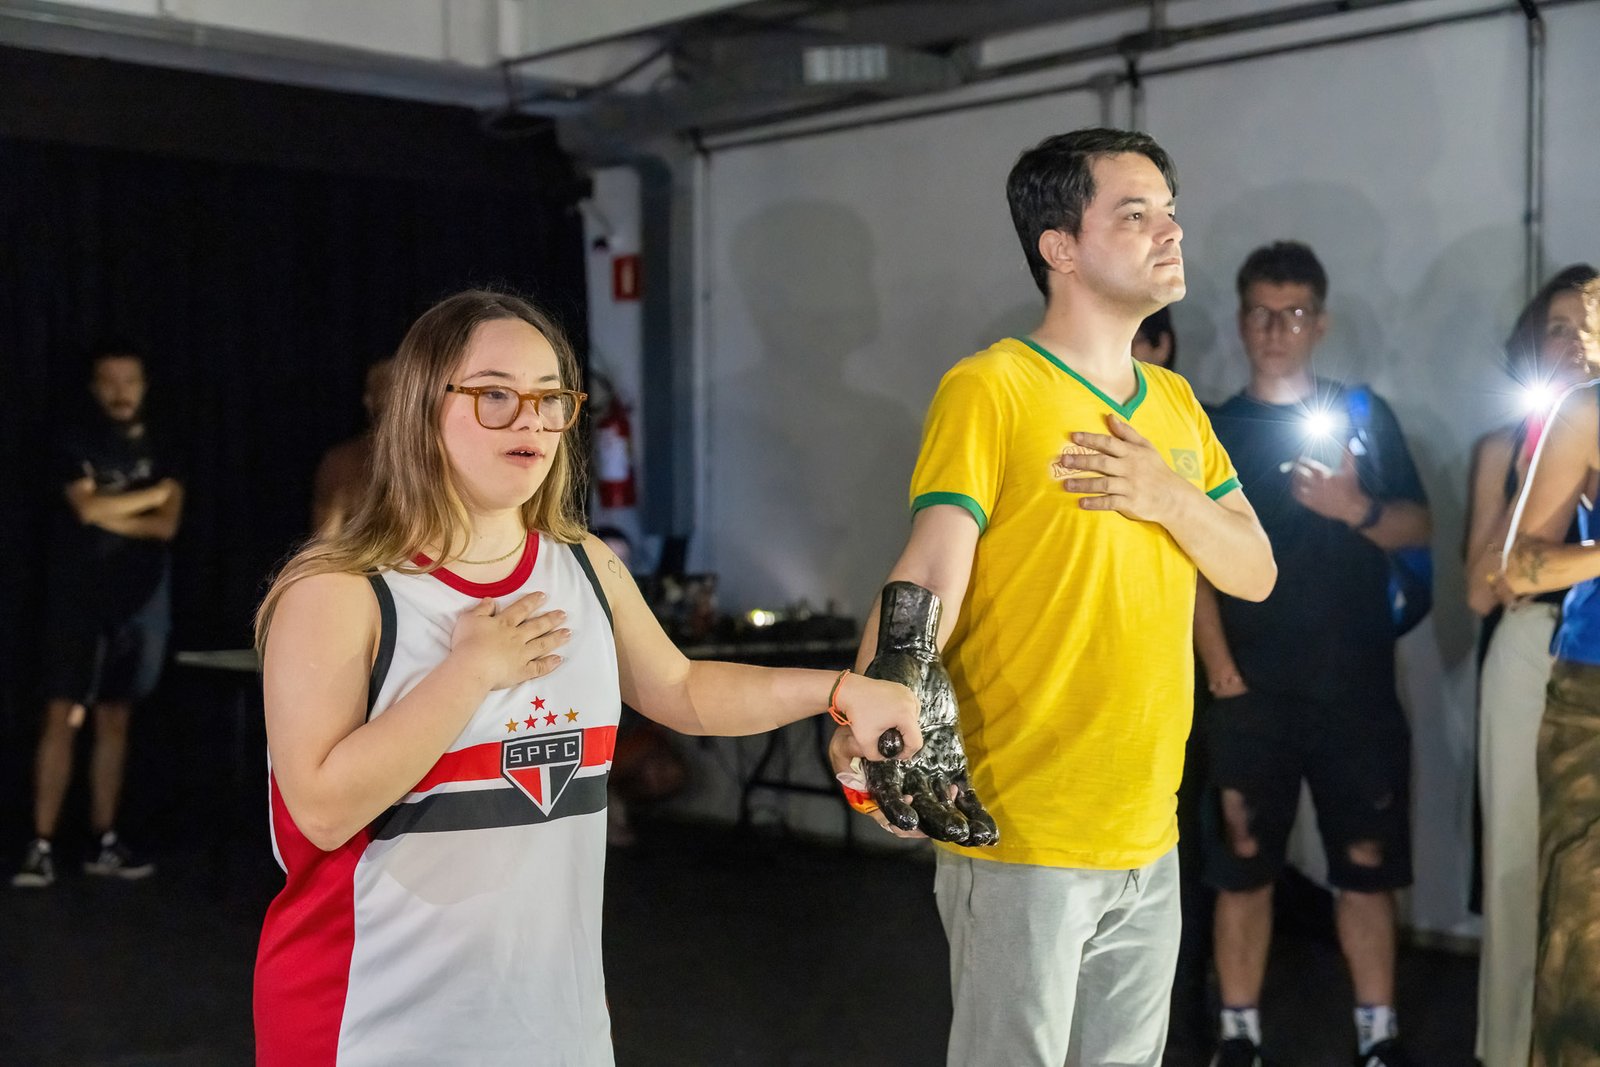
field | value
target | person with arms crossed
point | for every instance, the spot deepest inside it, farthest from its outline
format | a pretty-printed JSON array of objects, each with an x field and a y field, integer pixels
[
  {"x": 109, "y": 611},
  {"x": 1063, "y": 500}
]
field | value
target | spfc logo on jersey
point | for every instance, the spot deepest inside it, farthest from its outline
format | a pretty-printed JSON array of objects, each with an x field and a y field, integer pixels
[{"x": 541, "y": 767}]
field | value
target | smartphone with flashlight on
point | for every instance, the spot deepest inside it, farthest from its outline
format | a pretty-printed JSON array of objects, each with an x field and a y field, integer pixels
[
  {"x": 1325, "y": 434},
  {"x": 1537, "y": 399}
]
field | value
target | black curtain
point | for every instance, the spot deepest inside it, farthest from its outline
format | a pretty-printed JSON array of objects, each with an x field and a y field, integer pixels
[{"x": 258, "y": 295}]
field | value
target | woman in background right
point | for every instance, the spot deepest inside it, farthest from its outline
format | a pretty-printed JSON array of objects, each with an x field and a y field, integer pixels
[
  {"x": 1543, "y": 356},
  {"x": 1566, "y": 476}
]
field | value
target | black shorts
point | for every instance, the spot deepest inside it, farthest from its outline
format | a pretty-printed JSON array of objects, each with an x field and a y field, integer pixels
[
  {"x": 91, "y": 657},
  {"x": 1356, "y": 757}
]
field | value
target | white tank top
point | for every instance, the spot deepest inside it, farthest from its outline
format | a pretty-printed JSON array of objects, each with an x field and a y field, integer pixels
[{"x": 463, "y": 925}]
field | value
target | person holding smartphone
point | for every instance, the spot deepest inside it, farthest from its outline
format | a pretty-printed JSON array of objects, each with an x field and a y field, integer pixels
[{"x": 1305, "y": 680}]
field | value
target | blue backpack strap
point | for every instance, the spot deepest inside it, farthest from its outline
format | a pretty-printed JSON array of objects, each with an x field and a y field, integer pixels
[
  {"x": 1358, "y": 406},
  {"x": 1358, "y": 402},
  {"x": 1410, "y": 569}
]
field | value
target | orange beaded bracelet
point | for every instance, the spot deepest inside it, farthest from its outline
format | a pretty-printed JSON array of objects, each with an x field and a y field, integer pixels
[{"x": 833, "y": 700}]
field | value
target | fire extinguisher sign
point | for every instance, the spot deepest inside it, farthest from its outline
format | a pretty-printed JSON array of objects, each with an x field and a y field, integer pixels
[{"x": 625, "y": 277}]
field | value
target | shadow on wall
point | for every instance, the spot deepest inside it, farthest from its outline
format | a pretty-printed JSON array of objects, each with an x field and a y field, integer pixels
[
  {"x": 810, "y": 470},
  {"x": 1017, "y": 321},
  {"x": 1451, "y": 387},
  {"x": 1346, "y": 231},
  {"x": 1208, "y": 352}
]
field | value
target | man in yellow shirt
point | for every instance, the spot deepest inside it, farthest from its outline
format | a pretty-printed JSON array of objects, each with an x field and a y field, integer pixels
[{"x": 1063, "y": 500}]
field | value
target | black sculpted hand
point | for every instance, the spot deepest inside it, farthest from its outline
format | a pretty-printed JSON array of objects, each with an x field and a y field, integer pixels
[{"x": 929, "y": 791}]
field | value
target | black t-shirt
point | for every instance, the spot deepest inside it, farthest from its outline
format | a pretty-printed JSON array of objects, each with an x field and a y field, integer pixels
[
  {"x": 1327, "y": 626},
  {"x": 119, "y": 572}
]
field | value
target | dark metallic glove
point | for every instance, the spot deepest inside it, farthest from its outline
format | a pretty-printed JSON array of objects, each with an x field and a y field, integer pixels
[{"x": 908, "y": 654}]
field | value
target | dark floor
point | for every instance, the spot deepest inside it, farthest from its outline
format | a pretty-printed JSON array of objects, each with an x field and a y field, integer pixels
[{"x": 720, "y": 949}]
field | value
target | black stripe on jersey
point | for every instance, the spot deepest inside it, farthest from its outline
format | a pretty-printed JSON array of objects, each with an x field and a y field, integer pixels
[
  {"x": 387, "y": 623},
  {"x": 480, "y": 809},
  {"x": 594, "y": 580}
]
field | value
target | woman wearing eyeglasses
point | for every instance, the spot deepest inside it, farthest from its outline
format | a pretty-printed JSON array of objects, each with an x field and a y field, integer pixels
[
  {"x": 1543, "y": 357},
  {"x": 442, "y": 683},
  {"x": 1565, "y": 478}
]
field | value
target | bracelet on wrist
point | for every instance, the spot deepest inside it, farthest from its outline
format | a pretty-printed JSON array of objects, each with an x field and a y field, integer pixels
[{"x": 834, "y": 711}]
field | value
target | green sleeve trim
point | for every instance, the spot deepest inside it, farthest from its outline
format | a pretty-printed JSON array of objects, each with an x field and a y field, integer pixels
[
  {"x": 960, "y": 500},
  {"x": 1223, "y": 490}
]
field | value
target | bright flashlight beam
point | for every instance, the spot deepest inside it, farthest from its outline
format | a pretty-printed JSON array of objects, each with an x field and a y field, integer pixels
[
  {"x": 1537, "y": 398},
  {"x": 1320, "y": 424}
]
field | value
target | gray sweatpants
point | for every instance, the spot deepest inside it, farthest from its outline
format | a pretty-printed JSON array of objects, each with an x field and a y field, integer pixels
[{"x": 1054, "y": 966}]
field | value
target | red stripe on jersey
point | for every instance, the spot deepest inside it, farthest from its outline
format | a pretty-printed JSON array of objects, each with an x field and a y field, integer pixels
[
  {"x": 509, "y": 584},
  {"x": 303, "y": 964},
  {"x": 599, "y": 745},
  {"x": 476, "y": 764},
  {"x": 481, "y": 763}
]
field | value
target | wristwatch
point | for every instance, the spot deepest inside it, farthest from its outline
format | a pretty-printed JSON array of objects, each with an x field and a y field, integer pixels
[{"x": 1374, "y": 513}]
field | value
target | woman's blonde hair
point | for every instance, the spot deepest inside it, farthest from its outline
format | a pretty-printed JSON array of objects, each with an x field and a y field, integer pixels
[
  {"x": 412, "y": 500},
  {"x": 1589, "y": 330}
]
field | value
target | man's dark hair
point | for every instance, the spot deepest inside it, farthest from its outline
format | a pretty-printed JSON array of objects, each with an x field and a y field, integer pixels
[
  {"x": 112, "y": 349},
  {"x": 1284, "y": 263},
  {"x": 1152, "y": 329},
  {"x": 1053, "y": 182},
  {"x": 1522, "y": 346}
]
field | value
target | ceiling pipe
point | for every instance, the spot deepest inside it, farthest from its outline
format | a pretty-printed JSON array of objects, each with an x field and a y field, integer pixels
[
  {"x": 1136, "y": 99},
  {"x": 1533, "y": 202},
  {"x": 1105, "y": 86},
  {"x": 719, "y": 138},
  {"x": 1154, "y": 38}
]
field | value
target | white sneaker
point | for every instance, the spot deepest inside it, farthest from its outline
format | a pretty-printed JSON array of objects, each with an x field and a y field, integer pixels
[
  {"x": 117, "y": 860},
  {"x": 38, "y": 867}
]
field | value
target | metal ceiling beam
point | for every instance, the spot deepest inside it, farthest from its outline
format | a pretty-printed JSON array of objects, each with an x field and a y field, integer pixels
[{"x": 709, "y": 137}]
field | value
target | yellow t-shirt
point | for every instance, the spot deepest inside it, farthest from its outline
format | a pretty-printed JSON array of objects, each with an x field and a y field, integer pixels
[{"x": 1072, "y": 658}]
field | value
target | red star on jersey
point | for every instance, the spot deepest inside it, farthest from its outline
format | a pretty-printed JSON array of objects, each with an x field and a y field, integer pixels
[
  {"x": 572, "y": 716},
  {"x": 538, "y": 703},
  {"x": 550, "y": 719},
  {"x": 530, "y": 722}
]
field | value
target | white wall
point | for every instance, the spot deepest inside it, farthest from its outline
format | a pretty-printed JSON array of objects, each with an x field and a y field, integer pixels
[{"x": 849, "y": 270}]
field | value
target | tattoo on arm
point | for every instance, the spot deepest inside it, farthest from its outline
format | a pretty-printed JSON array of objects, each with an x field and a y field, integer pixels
[
  {"x": 1532, "y": 560},
  {"x": 614, "y": 566}
]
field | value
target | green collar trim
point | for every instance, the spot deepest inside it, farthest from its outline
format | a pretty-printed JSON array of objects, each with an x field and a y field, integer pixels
[{"x": 1125, "y": 410}]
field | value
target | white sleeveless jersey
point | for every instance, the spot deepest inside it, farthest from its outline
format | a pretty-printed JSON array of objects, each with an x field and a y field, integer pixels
[{"x": 463, "y": 925}]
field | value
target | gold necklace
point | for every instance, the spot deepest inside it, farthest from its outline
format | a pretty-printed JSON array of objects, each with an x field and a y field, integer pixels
[{"x": 481, "y": 562}]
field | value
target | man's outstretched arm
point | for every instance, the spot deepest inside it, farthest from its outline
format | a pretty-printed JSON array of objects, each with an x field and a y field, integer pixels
[{"x": 937, "y": 556}]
